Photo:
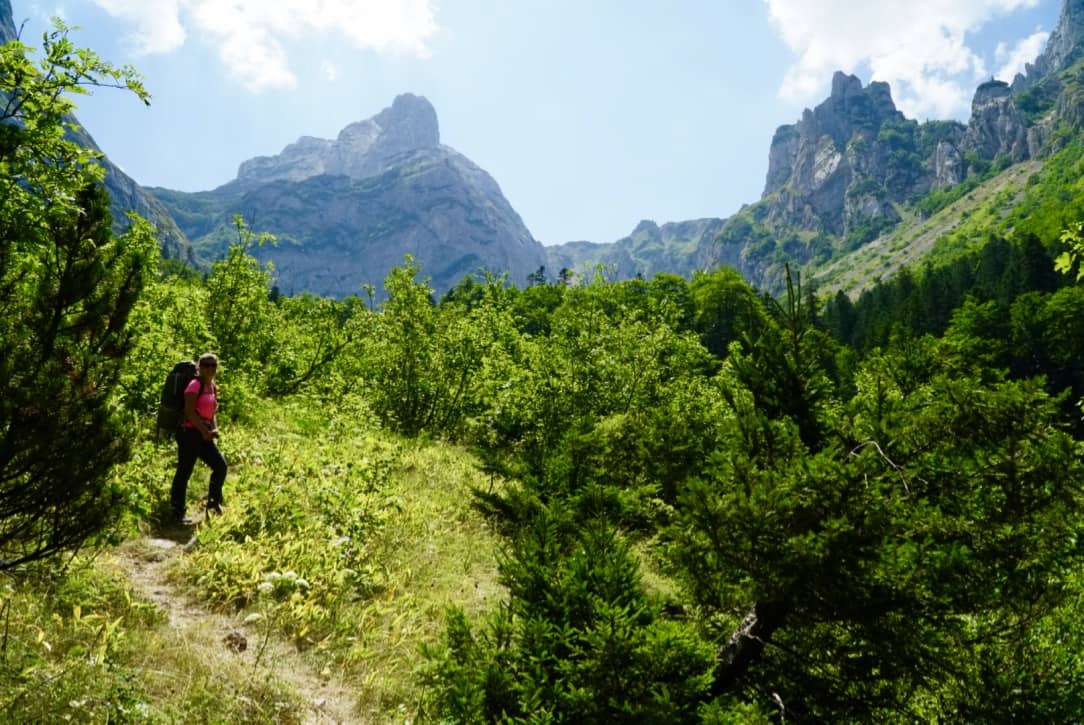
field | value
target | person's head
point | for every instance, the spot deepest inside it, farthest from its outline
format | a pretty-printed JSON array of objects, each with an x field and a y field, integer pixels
[{"x": 208, "y": 365}]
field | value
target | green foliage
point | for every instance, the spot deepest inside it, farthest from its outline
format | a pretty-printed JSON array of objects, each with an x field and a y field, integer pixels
[
  {"x": 579, "y": 641},
  {"x": 67, "y": 288},
  {"x": 238, "y": 309},
  {"x": 79, "y": 647},
  {"x": 1055, "y": 202},
  {"x": 567, "y": 406},
  {"x": 1036, "y": 102},
  {"x": 41, "y": 170},
  {"x": 860, "y": 559},
  {"x": 931, "y": 133},
  {"x": 719, "y": 506},
  {"x": 979, "y": 171},
  {"x": 1073, "y": 238},
  {"x": 170, "y": 329},
  {"x": 865, "y": 232},
  {"x": 420, "y": 360}
]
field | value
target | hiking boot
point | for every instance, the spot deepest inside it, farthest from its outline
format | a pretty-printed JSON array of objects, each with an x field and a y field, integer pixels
[
  {"x": 182, "y": 519},
  {"x": 214, "y": 507}
]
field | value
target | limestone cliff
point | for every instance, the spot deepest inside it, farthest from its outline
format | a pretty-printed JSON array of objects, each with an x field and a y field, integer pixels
[
  {"x": 1063, "y": 47},
  {"x": 347, "y": 210},
  {"x": 362, "y": 149},
  {"x": 851, "y": 159}
]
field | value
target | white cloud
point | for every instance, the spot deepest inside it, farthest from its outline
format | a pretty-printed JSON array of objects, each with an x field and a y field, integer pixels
[
  {"x": 1025, "y": 51},
  {"x": 250, "y": 34},
  {"x": 920, "y": 47},
  {"x": 158, "y": 27},
  {"x": 329, "y": 70}
]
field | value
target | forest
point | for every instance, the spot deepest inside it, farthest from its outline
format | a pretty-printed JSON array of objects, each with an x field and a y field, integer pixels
[{"x": 666, "y": 500}]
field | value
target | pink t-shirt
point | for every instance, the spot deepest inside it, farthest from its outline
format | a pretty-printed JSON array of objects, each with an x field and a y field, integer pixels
[{"x": 206, "y": 404}]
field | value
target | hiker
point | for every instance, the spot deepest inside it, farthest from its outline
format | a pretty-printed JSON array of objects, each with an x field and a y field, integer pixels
[{"x": 196, "y": 439}]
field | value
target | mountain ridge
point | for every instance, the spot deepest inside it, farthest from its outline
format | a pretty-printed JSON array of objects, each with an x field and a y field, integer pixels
[
  {"x": 347, "y": 210},
  {"x": 850, "y": 171},
  {"x": 853, "y": 168}
]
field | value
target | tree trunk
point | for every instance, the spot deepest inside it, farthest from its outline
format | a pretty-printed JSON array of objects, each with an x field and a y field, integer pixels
[{"x": 746, "y": 644}]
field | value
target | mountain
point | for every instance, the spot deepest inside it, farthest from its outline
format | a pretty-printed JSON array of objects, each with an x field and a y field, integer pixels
[
  {"x": 675, "y": 248},
  {"x": 854, "y": 170},
  {"x": 346, "y": 210},
  {"x": 125, "y": 194}
]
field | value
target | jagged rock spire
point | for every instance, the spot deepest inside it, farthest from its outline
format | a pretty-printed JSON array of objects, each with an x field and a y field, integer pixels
[
  {"x": 362, "y": 149},
  {"x": 1063, "y": 47}
]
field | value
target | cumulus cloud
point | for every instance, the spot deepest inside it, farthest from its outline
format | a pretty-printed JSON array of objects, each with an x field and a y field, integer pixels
[
  {"x": 157, "y": 23},
  {"x": 250, "y": 34},
  {"x": 920, "y": 47},
  {"x": 1013, "y": 60}
]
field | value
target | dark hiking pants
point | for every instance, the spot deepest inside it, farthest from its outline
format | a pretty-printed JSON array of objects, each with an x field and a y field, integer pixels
[{"x": 190, "y": 446}]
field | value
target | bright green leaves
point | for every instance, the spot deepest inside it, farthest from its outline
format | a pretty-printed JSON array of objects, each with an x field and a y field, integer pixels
[
  {"x": 1073, "y": 238},
  {"x": 239, "y": 311},
  {"x": 40, "y": 167},
  {"x": 67, "y": 290}
]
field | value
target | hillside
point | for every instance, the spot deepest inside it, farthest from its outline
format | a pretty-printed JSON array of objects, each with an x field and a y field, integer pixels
[
  {"x": 855, "y": 190},
  {"x": 949, "y": 233},
  {"x": 346, "y": 211}
]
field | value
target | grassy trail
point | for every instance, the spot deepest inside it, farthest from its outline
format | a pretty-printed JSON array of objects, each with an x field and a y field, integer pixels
[{"x": 228, "y": 647}]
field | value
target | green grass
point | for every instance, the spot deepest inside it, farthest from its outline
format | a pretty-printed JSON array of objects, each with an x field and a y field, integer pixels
[
  {"x": 941, "y": 238},
  {"x": 341, "y": 548}
]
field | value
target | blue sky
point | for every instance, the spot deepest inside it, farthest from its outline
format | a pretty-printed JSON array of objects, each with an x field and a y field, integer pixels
[{"x": 590, "y": 114}]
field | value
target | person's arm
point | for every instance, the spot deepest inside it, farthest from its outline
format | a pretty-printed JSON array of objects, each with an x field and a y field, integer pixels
[{"x": 214, "y": 416}]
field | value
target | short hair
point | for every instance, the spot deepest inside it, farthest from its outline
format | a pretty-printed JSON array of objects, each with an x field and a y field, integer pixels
[{"x": 208, "y": 357}]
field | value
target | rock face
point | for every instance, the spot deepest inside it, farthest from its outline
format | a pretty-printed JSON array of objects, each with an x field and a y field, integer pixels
[
  {"x": 674, "y": 247},
  {"x": 347, "y": 210},
  {"x": 7, "y": 22},
  {"x": 834, "y": 170},
  {"x": 124, "y": 193},
  {"x": 847, "y": 161},
  {"x": 1062, "y": 48},
  {"x": 997, "y": 126},
  {"x": 362, "y": 149},
  {"x": 847, "y": 169},
  {"x": 851, "y": 160}
]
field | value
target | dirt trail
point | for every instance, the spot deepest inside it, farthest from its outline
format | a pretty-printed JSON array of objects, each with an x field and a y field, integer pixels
[{"x": 145, "y": 562}]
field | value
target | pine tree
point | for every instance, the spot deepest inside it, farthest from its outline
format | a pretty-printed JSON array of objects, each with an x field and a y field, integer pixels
[{"x": 66, "y": 289}]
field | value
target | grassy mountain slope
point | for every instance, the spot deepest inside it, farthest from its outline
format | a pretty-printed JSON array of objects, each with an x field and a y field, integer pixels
[
  {"x": 1035, "y": 197},
  {"x": 937, "y": 238}
]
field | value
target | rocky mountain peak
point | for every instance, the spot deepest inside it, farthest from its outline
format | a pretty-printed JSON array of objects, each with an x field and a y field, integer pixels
[
  {"x": 851, "y": 107},
  {"x": 7, "y": 22},
  {"x": 1065, "y": 42},
  {"x": 362, "y": 149},
  {"x": 1064, "y": 46},
  {"x": 410, "y": 122},
  {"x": 997, "y": 126},
  {"x": 989, "y": 92},
  {"x": 825, "y": 131}
]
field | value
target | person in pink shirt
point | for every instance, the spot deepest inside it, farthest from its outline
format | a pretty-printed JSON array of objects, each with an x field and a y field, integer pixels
[{"x": 196, "y": 439}]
